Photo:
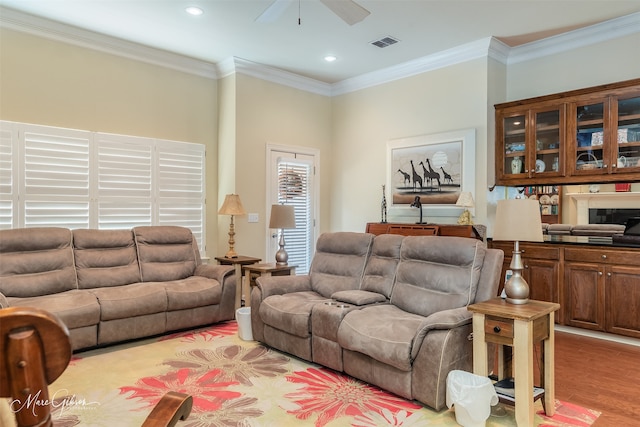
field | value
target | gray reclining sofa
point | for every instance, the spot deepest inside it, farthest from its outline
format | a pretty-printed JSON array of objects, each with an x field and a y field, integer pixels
[
  {"x": 389, "y": 310},
  {"x": 114, "y": 285}
]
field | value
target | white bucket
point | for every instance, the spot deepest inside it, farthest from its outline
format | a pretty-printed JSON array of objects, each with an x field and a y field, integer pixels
[{"x": 243, "y": 317}]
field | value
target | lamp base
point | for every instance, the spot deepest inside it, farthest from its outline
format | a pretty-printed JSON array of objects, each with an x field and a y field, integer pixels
[
  {"x": 282, "y": 257},
  {"x": 516, "y": 288}
]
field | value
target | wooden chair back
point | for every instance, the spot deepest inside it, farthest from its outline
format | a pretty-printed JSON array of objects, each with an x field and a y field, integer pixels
[{"x": 35, "y": 349}]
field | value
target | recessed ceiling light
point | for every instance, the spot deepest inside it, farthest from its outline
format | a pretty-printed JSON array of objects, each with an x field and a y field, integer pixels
[
  {"x": 195, "y": 11},
  {"x": 330, "y": 58}
]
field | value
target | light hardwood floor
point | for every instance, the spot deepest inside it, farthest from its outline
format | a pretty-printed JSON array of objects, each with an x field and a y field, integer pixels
[{"x": 601, "y": 375}]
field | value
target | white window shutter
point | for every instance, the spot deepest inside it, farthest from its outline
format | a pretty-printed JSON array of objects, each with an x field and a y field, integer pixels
[
  {"x": 55, "y": 184},
  {"x": 181, "y": 186},
  {"x": 8, "y": 174},
  {"x": 124, "y": 181}
]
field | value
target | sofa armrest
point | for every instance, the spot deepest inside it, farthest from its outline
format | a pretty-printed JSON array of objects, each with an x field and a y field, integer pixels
[
  {"x": 3, "y": 301},
  {"x": 212, "y": 271},
  {"x": 445, "y": 319},
  {"x": 279, "y": 285}
]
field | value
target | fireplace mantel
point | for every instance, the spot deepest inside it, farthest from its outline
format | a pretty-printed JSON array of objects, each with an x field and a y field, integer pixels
[{"x": 609, "y": 200}]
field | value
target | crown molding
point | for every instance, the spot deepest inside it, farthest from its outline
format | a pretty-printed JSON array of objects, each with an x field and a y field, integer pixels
[
  {"x": 597, "y": 33},
  {"x": 26, "y": 23},
  {"x": 275, "y": 75},
  {"x": 445, "y": 58},
  {"x": 488, "y": 47}
]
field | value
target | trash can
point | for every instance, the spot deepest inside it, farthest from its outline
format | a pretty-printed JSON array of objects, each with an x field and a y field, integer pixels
[
  {"x": 472, "y": 397},
  {"x": 243, "y": 317}
]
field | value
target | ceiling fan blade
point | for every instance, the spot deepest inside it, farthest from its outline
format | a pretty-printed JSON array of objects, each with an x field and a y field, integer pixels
[
  {"x": 274, "y": 11},
  {"x": 348, "y": 10}
]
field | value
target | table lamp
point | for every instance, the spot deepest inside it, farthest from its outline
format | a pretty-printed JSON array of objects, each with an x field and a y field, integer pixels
[
  {"x": 466, "y": 201},
  {"x": 282, "y": 216},
  {"x": 516, "y": 220},
  {"x": 232, "y": 206}
]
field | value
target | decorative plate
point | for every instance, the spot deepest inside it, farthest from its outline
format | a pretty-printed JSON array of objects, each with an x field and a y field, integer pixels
[
  {"x": 545, "y": 199},
  {"x": 554, "y": 199},
  {"x": 540, "y": 166}
]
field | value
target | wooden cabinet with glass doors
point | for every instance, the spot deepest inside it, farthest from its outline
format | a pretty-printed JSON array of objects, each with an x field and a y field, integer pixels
[
  {"x": 586, "y": 135},
  {"x": 607, "y": 135},
  {"x": 532, "y": 142}
]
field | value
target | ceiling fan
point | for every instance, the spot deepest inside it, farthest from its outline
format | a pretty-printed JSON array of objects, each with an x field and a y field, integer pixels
[{"x": 348, "y": 10}]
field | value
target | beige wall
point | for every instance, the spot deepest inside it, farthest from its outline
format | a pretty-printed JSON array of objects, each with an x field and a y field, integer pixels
[
  {"x": 269, "y": 113},
  {"x": 52, "y": 83},
  {"x": 56, "y": 84},
  {"x": 439, "y": 101},
  {"x": 606, "y": 62}
]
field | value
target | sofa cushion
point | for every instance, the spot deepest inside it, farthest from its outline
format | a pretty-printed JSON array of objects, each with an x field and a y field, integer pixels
[
  {"x": 132, "y": 300},
  {"x": 380, "y": 271},
  {"x": 105, "y": 258},
  {"x": 358, "y": 297},
  {"x": 165, "y": 253},
  {"x": 382, "y": 332},
  {"x": 339, "y": 262},
  {"x": 291, "y": 312},
  {"x": 192, "y": 292},
  {"x": 36, "y": 261},
  {"x": 76, "y": 308},
  {"x": 437, "y": 273}
]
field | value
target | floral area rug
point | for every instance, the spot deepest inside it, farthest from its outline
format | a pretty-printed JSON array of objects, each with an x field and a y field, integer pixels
[{"x": 241, "y": 383}]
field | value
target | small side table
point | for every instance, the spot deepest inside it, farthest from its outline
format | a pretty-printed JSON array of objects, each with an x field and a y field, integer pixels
[
  {"x": 238, "y": 262},
  {"x": 520, "y": 327},
  {"x": 266, "y": 269}
]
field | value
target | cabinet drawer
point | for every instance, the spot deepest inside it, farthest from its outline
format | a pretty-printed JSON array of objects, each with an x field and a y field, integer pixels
[
  {"x": 498, "y": 330},
  {"x": 539, "y": 251},
  {"x": 602, "y": 256}
]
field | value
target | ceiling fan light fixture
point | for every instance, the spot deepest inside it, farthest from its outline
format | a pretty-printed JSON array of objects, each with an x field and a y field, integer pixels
[{"x": 194, "y": 10}]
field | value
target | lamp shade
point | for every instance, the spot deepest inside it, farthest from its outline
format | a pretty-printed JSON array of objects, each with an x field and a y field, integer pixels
[
  {"x": 465, "y": 199},
  {"x": 282, "y": 216},
  {"x": 518, "y": 220},
  {"x": 232, "y": 206}
]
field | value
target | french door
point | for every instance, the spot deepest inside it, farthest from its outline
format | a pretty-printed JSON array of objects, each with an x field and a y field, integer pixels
[{"x": 292, "y": 180}]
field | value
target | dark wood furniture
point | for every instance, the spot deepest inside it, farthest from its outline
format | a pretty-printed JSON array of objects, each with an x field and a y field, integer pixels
[
  {"x": 598, "y": 286},
  {"x": 35, "y": 349},
  {"x": 253, "y": 271},
  {"x": 238, "y": 262},
  {"x": 423, "y": 229},
  {"x": 580, "y": 136},
  {"x": 520, "y": 327}
]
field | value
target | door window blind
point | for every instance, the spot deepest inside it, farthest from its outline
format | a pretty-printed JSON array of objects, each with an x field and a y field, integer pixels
[{"x": 293, "y": 189}]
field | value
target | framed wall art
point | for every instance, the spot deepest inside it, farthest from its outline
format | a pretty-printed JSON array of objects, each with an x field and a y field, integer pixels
[{"x": 435, "y": 168}]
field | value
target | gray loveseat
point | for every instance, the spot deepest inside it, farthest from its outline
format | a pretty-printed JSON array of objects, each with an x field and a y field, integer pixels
[
  {"x": 114, "y": 285},
  {"x": 389, "y": 310}
]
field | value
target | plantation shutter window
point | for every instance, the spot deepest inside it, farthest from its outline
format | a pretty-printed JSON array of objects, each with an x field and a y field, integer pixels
[
  {"x": 55, "y": 184},
  {"x": 53, "y": 177}
]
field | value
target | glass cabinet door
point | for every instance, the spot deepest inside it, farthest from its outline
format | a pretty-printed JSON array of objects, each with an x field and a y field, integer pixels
[
  {"x": 514, "y": 137},
  {"x": 549, "y": 139},
  {"x": 628, "y": 135},
  {"x": 590, "y": 138}
]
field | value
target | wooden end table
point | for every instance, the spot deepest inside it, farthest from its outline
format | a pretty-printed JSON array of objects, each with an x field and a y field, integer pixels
[
  {"x": 238, "y": 262},
  {"x": 265, "y": 269},
  {"x": 519, "y": 327}
]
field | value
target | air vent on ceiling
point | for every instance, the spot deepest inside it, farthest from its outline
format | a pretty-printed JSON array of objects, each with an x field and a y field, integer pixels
[{"x": 385, "y": 41}]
